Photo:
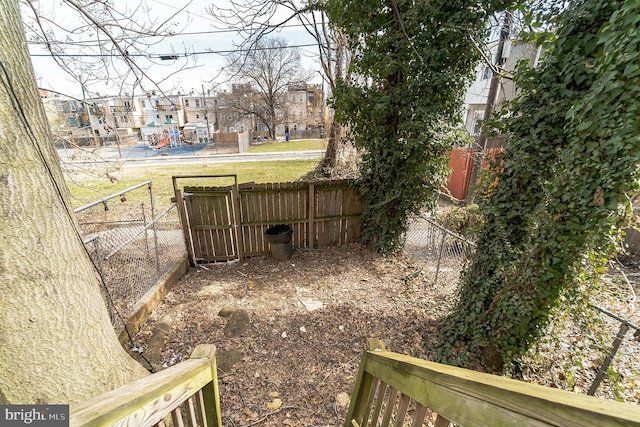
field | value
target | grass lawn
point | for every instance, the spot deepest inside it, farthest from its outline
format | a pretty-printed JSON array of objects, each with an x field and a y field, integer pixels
[
  {"x": 87, "y": 188},
  {"x": 298, "y": 145}
]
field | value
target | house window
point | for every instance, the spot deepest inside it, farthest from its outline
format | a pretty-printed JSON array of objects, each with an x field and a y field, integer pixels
[
  {"x": 477, "y": 124},
  {"x": 125, "y": 119},
  {"x": 143, "y": 104},
  {"x": 197, "y": 116},
  {"x": 486, "y": 73},
  {"x": 186, "y": 102},
  {"x": 197, "y": 103}
]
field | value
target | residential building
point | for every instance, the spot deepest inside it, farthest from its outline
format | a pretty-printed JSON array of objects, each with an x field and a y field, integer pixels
[
  {"x": 476, "y": 96},
  {"x": 304, "y": 108},
  {"x": 199, "y": 116},
  {"x": 160, "y": 112}
]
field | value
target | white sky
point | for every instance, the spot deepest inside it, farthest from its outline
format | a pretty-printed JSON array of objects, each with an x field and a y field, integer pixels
[{"x": 193, "y": 19}]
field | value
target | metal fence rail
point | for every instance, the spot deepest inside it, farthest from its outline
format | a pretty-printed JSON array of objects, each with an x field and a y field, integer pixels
[{"x": 130, "y": 245}]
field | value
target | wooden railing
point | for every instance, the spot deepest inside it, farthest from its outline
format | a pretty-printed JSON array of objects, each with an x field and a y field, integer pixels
[
  {"x": 186, "y": 394},
  {"x": 397, "y": 390}
]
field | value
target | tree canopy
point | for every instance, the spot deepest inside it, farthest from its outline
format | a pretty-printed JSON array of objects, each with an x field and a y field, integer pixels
[{"x": 269, "y": 69}]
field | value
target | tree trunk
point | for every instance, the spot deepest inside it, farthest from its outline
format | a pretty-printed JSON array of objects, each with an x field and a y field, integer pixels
[
  {"x": 57, "y": 344},
  {"x": 330, "y": 159}
]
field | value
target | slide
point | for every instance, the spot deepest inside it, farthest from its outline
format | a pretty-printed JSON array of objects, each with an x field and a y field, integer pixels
[{"x": 162, "y": 143}]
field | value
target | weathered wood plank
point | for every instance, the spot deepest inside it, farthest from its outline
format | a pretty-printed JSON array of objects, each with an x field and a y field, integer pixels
[
  {"x": 472, "y": 398},
  {"x": 370, "y": 399},
  {"x": 186, "y": 233},
  {"x": 311, "y": 209},
  {"x": 418, "y": 416},
  {"x": 360, "y": 395},
  {"x": 191, "y": 412},
  {"x": 201, "y": 410},
  {"x": 218, "y": 213},
  {"x": 147, "y": 401},
  {"x": 236, "y": 232},
  {"x": 382, "y": 389},
  {"x": 441, "y": 421},
  {"x": 176, "y": 417},
  {"x": 390, "y": 406},
  {"x": 403, "y": 406},
  {"x": 209, "y": 394}
]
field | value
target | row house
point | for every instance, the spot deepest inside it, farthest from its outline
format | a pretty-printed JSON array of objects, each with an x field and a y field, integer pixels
[
  {"x": 67, "y": 117},
  {"x": 196, "y": 115},
  {"x": 304, "y": 108},
  {"x": 199, "y": 116}
]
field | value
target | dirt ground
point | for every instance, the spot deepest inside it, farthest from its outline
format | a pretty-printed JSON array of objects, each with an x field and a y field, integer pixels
[
  {"x": 296, "y": 356},
  {"x": 310, "y": 318}
]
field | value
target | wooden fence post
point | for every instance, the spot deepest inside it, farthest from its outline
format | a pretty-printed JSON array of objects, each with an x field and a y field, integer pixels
[
  {"x": 311, "y": 232},
  {"x": 186, "y": 232},
  {"x": 235, "y": 194}
]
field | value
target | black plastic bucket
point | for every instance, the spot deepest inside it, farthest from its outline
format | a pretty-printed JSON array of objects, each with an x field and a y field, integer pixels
[
  {"x": 281, "y": 251},
  {"x": 279, "y": 238},
  {"x": 280, "y": 233}
]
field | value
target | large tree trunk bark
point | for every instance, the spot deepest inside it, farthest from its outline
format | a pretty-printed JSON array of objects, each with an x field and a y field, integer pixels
[{"x": 56, "y": 341}]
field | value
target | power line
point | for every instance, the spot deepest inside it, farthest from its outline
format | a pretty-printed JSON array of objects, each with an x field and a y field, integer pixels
[
  {"x": 170, "y": 56},
  {"x": 188, "y": 33}
]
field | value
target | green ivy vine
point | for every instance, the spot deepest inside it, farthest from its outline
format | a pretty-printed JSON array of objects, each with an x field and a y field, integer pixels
[
  {"x": 413, "y": 63},
  {"x": 564, "y": 184}
]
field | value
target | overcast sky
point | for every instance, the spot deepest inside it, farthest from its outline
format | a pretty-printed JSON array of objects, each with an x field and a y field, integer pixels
[{"x": 198, "y": 46}]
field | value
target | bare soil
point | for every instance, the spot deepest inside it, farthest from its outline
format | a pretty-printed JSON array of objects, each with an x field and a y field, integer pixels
[
  {"x": 292, "y": 350},
  {"x": 310, "y": 318}
]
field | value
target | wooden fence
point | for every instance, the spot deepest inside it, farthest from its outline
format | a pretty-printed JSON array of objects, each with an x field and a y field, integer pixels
[
  {"x": 225, "y": 137},
  {"x": 314, "y": 133},
  {"x": 226, "y": 223}
]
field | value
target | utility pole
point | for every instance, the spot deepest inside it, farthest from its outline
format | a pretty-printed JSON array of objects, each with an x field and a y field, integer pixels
[
  {"x": 478, "y": 153},
  {"x": 206, "y": 114}
]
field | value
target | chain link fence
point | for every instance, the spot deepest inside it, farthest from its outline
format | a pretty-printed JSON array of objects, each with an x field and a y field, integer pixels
[
  {"x": 131, "y": 245},
  {"x": 444, "y": 252},
  {"x": 447, "y": 254}
]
